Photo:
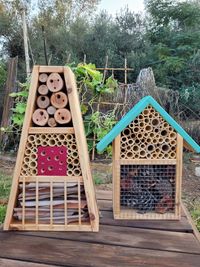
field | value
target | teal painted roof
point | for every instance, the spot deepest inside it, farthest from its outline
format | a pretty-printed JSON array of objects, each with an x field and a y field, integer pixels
[{"x": 134, "y": 112}]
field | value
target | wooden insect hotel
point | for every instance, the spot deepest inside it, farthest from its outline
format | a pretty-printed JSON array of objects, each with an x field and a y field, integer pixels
[
  {"x": 147, "y": 163},
  {"x": 52, "y": 186}
]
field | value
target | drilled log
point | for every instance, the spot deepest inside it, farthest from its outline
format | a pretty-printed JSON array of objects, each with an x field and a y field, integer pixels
[
  {"x": 54, "y": 82},
  {"x": 52, "y": 122},
  {"x": 51, "y": 110},
  {"x": 59, "y": 100},
  {"x": 40, "y": 117},
  {"x": 43, "y": 89},
  {"x": 43, "y": 77},
  {"x": 62, "y": 116},
  {"x": 43, "y": 101}
]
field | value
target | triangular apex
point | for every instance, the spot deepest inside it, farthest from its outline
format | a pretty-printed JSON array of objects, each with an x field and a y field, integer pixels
[
  {"x": 137, "y": 110},
  {"x": 52, "y": 185}
]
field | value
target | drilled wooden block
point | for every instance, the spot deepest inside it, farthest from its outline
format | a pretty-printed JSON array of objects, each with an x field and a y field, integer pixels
[{"x": 52, "y": 160}]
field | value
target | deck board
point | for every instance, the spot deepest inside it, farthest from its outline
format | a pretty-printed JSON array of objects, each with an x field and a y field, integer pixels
[{"x": 118, "y": 243}]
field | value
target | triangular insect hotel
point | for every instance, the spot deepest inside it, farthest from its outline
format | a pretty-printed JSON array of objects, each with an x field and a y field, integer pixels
[{"x": 52, "y": 186}]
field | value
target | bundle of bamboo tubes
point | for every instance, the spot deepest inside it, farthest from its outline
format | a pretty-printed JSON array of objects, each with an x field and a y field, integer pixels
[{"x": 52, "y": 102}]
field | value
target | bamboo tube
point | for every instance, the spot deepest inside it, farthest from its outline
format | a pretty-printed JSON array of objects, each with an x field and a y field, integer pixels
[
  {"x": 51, "y": 142},
  {"x": 172, "y": 135},
  {"x": 155, "y": 122},
  {"x": 148, "y": 128},
  {"x": 59, "y": 100},
  {"x": 142, "y": 153},
  {"x": 43, "y": 89},
  {"x": 62, "y": 116},
  {"x": 135, "y": 148},
  {"x": 43, "y": 101},
  {"x": 127, "y": 132},
  {"x": 31, "y": 138},
  {"x": 43, "y": 77},
  {"x": 150, "y": 148},
  {"x": 136, "y": 129},
  {"x": 146, "y": 112},
  {"x": 52, "y": 122},
  {"x": 55, "y": 82},
  {"x": 164, "y": 132},
  {"x": 27, "y": 152},
  {"x": 141, "y": 117},
  {"x": 51, "y": 110},
  {"x": 40, "y": 117},
  {"x": 165, "y": 148}
]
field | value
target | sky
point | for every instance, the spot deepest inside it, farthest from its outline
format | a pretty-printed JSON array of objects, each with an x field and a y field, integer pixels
[{"x": 113, "y": 6}]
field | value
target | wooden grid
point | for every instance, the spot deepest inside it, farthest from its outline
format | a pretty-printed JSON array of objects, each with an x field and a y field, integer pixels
[
  {"x": 148, "y": 137},
  {"x": 30, "y": 191}
]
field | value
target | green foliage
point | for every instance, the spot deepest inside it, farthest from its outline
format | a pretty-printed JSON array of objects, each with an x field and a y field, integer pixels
[
  {"x": 88, "y": 76},
  {"x": 97, "y": 179},
  {"x": 195, "y": 213},
  {"x": 2, "y": 213},
  {"x": 5, "y": 185},
  {"x": 20, "y": 105}
]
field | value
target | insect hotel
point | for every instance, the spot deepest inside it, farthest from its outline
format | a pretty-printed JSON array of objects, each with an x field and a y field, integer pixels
[
  {"x": 147, "y": 163},
  {"x": 52, "y": 186}
]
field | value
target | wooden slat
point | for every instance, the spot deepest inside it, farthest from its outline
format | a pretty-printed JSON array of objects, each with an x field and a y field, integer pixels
[
  {"x": 82, "y": 146},
  {"x": 14, "y": 263},
  {"x": 179, "y": 169},
  {"x": 45, "y": 227},
  {"x": 49, "y": 130},
  {"x": 177, "y": 226},
  {"x": 143, "y": 238},
  {"x": 51, "y": 204},
  {"x": 65, "y": 200},
  {"x": 147, "y": 161},
  {"x": 72, "y": 179},
  {"x": 23, "y": 202},
  {"x": 48, "y": 69},
  {"x": 73, "y": 253},
  {"x": 37, "y": 202},
  {"x": 116, "y": 175}
]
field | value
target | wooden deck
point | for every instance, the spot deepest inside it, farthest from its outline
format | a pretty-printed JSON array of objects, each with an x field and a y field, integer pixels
[{"x": 119, "y": 243}]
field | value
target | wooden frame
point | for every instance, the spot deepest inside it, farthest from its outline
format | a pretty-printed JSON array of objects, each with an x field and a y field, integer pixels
[{"x": 84, "y": 179}]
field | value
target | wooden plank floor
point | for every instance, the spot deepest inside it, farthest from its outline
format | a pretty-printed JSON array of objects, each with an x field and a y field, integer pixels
[{"x": 118, "y": 243}]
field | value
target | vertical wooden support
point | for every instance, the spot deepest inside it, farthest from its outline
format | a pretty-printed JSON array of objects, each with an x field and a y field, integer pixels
[
  {"x": 37, "y": 203},
  {"x": 65, "y": 200},
  {"x": 116, "y": 176},
  {"x": 82, "y": 147},
  {"x": 79, "y": 203},
  {"x": 23, "y": 203},
  {"x": 51, "y": 204},
  {"x": 179, "y": 168}
]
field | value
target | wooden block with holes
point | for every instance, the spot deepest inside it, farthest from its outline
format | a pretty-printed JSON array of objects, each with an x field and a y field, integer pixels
[
  {"x": 52, "y": 186},
  {"x": 147, "y": 163}
]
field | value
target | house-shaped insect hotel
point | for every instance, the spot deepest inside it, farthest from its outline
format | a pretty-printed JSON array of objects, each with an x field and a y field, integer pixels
[
  {"x": 147, "y": 163},
  {"x": 52, "y": 186}
]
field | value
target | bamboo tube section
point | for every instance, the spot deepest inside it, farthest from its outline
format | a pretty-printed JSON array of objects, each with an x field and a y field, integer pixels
[{"x": 148, "y": 137}]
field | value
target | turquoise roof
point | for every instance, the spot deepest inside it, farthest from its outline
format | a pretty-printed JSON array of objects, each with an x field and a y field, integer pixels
[{"x": 134, "y": 112}]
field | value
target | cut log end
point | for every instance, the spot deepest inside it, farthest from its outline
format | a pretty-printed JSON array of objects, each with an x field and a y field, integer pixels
[
  {"x": 40, "y": 117},
  {"x": 51, "y": 110},
  {"x": 52, "y": 122},
  {"x": 55, "y": 82},
  {"x": 43, "y": 89},
  {"x": 62, "y": 116},
  {"x": 43, "y": 77},
  {"x": 59, "y": 100},
  {"x": 43, "y": 101}
]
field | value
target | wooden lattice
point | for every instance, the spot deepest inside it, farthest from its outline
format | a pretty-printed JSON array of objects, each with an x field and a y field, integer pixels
[{"x": 52, "y": 186}]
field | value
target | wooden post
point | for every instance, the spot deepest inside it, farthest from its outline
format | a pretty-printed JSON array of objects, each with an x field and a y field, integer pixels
[
  {"x": 25, "y": 33},
  {"x": 8, "y": 101}
]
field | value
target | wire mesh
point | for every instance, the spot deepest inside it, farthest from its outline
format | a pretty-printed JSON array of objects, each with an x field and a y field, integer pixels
[{"x": 148, "y": 188}]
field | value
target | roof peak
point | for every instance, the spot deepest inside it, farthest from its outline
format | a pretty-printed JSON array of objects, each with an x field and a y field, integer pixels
[{"x": 134, "y": 112}]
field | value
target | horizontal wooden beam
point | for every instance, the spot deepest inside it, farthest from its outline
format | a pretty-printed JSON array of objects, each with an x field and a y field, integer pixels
[
  {"x": 147, "y": 162},
  {"x": 49, "y": 130},
  {"x": 49, "y": 69},
  {"x": 54, "y": 179}
]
